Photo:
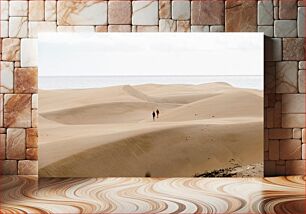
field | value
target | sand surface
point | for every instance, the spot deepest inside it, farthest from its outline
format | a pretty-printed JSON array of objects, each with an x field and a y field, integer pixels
[{"x": 110, "y": 131}]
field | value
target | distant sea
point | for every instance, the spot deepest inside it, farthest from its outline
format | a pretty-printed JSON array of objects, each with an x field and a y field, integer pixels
[{"x": 82, "y": 82}]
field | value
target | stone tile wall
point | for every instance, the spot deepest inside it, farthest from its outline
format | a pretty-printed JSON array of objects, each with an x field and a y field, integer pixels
[{"x": 282, "y": 21}]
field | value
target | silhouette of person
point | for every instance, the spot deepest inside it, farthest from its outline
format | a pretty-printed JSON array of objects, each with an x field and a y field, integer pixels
[
  {"x": 157, "y": 113},
  {"x": 153, "y": 115}
]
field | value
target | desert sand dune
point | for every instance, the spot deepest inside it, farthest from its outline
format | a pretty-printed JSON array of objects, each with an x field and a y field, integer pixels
[{"x": 110, "y": 132}]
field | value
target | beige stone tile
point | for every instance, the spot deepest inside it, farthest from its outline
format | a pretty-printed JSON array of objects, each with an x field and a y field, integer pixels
[
  {"x": 15, "y": 144},
  {"x": 2, "y": 130},
  {"x": 303, "y": 151},
  {"x": 301, "y": 22},
  {"x": 18, "y": 27},
  {"x": 297, "y": 133},
  {"x": 75, "y": 29},
  {"x": 18, "y": 8},
  {"x": 180, "y": 10},
  {"x": 119, "y": 12},
  {"x": 293, "y": 120},
  {"x": 304, "y": 135},
  {"x": 207, "y": 12},
  {"x": 145, "y": 13},
  {"x": 31, "y": 154},
  {"x": 25, "y": 80},
  {"x": 31, "y": 138},
  {"x": 285, "y": 28},
  {"x": 275, "y": 13},
  {"x": 167, "y": 25},
  {"x": 17, "y": 110},
  {"x": 280, "y": 133},
  {"x": 286, "y": 77},
  {"x": 27, "y": 167},
  {"x": 2, "y": 146},
  {"x": 34, "y": 118},
  {"x": 28, "y": 57},
  {"x": 265, "y": 12},
  {"x": 36, "y": 10},
  {"x": 36, "y": 27},
  {"x": 302, "y": 65},
  {"x": 101, "y": 28},
  {"x": 4, "y": 32},
  {"x": 50, "y": 10},
  {"x": 164, "y": 9},
  {"x": 1, "y": 110},
  {"x": 216, "y": 28},
  {"x": 290, "y": 149},
  {"x": 293, "y": 103},
  {"x": 199, "y": 28},
  {"x": 74, "y": 12},
  {"x": 183, "y": 26},
  {"x": 7, "y": 77},
  {"x": 11, "y": 49},
  {"x": 119, "y": 28},
  {"x": 287, "y": 9},
  {"x": 267, "y": 30},
  {"x": 295, "y": 167},
  {"x": 147, "y": 28},
  {"x": 35, "y": 101},
  {"x": 301, "y": 81},
  {"x": 8, "y": 167},
  {"x": 4, "y": 10}
]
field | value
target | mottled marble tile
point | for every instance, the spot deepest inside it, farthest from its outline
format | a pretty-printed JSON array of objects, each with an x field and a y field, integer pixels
[
  {"x": 183, "y": 26},
  {"x": 164, "y": 9},
  {"x": 119, "y": 12},
  {"x": 31, "y": 154},
  {"x": 11, "y": 49},
  {"x": 267, "y": 30},
  {"x": 74, "y": 12},
  {"x": 17, "y": 110},
  {"x": 27, "y": 167},
  {"x": 216, "y": 28},
  {"x": 36, "y": 27},
  {"x": 301, "y": 22},
  {"x": 4, "y": 32},
  {"x": 18, "y": 8},
  {"x": 15, "y": 144},
  {"x": 145, "y": 12},
  {"x": 293, "y": 49},
  {"x": 285, "y": 28},
  {"x": 199, "y": 28},
  {"x": 18, "y": 27},
  {"x": 4, "y": 10},
  {"x": 167, "y": 25},
  {"x": 265, "y": 12},
  {"x": 287, "y": 9},
  {"x": 273, "y": 49},
  {"x": 119, "y": 28},
  {"x": 207, "y": 12},
  {"x": 28, "y": 56},
  {"x": 75, "y": 29},
  {"x": 301, "y": 81},
  {"x": 25, "y": 80},
  {"x": 286, "y": 77},
  {"x": 293, "y": 120},
  {"x": 239, "y": 16},
  {"x": 50, "y": 10},
  {"x": 293, "y": 103},
  {"x": 180, "y": 10},
  {"x": 36, "y": 10},
  {"x": 290, "y": 149},
  {"x": 147, "y": 29},
  {"x": 7, "y": 77},
  {"x": 2, "y": 146},
  {"x": 8, "y": 167},
  {"x": 31, "y": 138}
]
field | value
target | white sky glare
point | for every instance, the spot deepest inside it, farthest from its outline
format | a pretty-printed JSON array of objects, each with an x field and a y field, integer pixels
[{"x": 117, "y": 54}]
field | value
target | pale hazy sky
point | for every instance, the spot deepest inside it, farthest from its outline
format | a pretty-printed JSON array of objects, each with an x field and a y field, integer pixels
[{"x": 104, "y": 54}]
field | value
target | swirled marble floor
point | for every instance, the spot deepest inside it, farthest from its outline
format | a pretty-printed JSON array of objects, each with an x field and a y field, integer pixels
[{"x": 139, "y": 195}]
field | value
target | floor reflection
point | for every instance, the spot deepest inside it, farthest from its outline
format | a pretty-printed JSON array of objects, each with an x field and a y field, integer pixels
[{"x": 139, "y": 195}]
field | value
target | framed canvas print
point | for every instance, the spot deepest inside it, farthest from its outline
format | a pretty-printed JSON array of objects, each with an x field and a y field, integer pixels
[{"x": 150, "y": 104}]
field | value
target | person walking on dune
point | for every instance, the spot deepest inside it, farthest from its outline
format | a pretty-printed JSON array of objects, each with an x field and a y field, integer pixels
[
  {"x": 153, "y": 115},
  {"x": 157, "y": 113}
]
